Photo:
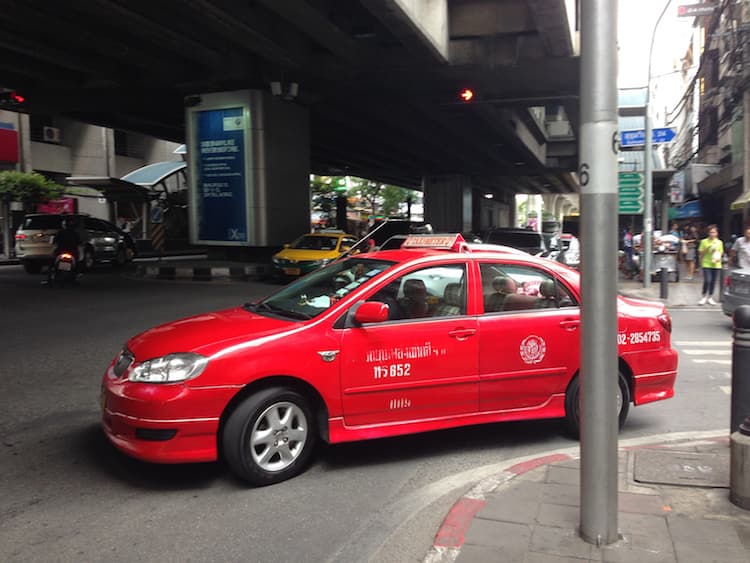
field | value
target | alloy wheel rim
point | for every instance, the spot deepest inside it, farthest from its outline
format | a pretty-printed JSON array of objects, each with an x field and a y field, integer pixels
[{"x": 278, "y": 436}]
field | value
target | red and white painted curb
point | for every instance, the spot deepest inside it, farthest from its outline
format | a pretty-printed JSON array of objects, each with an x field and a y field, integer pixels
[{"x": 451, "y": 535}]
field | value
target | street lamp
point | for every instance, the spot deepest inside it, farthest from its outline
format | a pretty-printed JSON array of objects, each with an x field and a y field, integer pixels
[{"x": 647, "y": 239}]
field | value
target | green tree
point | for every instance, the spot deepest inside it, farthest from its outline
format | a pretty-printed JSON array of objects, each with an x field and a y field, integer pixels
[
  {"x": 27, "y": 187},
  {"x": 393, "y": 197},
  {"x": 370, "y": 193}
]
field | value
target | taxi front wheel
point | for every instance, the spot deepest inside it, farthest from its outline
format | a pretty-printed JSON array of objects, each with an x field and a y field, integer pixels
[
  {"x": 573, "y": 403},
  {"x": 270, "y": 436}
]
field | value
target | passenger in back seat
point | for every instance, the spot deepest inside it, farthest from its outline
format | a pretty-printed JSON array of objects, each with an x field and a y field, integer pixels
[
  {"x": 547, "y": 295},
  {"x": 504, "y": 288}
]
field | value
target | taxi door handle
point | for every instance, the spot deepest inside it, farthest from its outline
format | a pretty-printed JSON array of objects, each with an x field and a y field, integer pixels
[
  {"x": 462, "y": 333},
  {"x": 570, "y": 325}
]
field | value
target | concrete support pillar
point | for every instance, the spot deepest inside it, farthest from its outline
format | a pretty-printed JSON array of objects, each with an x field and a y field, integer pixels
[
  {"x": 448, "y": 202},
  {"x": 249, "y": 163}
]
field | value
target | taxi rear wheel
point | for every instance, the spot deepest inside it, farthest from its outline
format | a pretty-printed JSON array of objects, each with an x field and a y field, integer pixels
[
  {"x": 270, "y": 436},
  {"x": 573, "y": 403}
]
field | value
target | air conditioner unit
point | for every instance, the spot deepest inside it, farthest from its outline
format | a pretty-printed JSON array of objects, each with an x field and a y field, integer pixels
[{"x": 51, "y": 135}]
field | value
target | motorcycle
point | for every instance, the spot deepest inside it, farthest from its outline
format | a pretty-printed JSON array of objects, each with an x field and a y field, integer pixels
[{"x": 64, "y": 269}]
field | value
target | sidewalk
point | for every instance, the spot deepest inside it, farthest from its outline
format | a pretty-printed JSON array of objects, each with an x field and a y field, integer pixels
[{"x": 673, "y": 506}]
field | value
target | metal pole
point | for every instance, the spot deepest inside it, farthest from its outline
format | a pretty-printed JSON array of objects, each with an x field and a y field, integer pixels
[
  {"x": 664, "y": 283},
  {"x": 647, "y": 241},
  {"x": 648, "y": 196},
  {"x": 599, "y": 185},
  {"x": 740, "y": 367}
]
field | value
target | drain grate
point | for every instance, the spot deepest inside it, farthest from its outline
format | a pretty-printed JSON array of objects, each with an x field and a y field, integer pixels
[{"x": 682, "y": 468}]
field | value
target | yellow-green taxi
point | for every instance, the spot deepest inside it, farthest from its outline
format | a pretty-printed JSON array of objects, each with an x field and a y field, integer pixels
[{"x": 310, "y": 252}]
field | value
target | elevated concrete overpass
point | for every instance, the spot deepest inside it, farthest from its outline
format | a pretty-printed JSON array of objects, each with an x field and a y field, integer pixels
[{"x": 378, "y": 79}]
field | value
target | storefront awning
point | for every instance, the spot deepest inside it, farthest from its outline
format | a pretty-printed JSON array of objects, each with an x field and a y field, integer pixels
[
  {"x": 689, "y": 210},
  {"x": 740, "y": 203},
  {"x": 113, "y": 189}
]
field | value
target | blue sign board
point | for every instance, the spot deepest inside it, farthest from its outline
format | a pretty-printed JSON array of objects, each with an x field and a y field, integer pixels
[
  {"x": 220, "y": 182},
  {"x": 637, "y": 137}
]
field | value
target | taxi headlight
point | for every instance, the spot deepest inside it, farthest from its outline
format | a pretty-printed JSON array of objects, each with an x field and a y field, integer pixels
[
  {"x": 275, "y": 260},
  {"x": 169, "y": 369},
  {"x": 321, "y": 262}
]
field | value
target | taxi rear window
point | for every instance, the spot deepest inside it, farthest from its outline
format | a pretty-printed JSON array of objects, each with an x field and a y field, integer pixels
[{"x": 42, "y": 222}]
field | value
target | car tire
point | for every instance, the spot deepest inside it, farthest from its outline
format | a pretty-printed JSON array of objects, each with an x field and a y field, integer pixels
[
  {"x": 32, "y": 267},
  {"x": 572, "y": 398},
  {"x": 270, "y": 436},
  {"x": 88, "y": 259},
  {"x": 121, "y": 257}
]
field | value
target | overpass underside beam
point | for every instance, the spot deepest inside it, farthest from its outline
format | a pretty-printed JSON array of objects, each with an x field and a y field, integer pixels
[{"x": 421, "y": 25}]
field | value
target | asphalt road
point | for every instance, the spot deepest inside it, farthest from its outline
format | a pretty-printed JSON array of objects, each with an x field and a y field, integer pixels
[{"x": 68, "y": 496}]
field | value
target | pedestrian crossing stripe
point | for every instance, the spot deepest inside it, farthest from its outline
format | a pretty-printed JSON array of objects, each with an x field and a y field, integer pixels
[{"x": 720, "y": 362}]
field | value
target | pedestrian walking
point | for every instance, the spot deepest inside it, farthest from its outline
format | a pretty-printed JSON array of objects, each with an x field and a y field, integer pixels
[
  {"x": 689, "y": 245},
  {"x": 740, "y": 251},
  {"x": 677, "y": 240},
  {"x": 710, "y": 251},
  {"x": 627, "y": 246}
]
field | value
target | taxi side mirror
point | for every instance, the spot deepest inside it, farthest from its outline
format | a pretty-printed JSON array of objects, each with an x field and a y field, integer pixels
[
  {"x": 371, "y": 312},
  {"x": 345, "y": 247}
]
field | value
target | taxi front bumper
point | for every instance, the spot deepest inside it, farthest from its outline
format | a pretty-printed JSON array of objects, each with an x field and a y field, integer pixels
[{"x": 163, "y": 423}]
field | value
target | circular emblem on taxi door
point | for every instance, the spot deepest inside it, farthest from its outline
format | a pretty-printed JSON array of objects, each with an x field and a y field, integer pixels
[{"x": 533, "y": 349}]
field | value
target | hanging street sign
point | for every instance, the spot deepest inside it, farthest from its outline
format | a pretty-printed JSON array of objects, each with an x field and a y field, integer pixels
[
  {"x": 693, "y": 10},
  {"x": 630, "y": 193},
  {"x": 637, "y": 137}
]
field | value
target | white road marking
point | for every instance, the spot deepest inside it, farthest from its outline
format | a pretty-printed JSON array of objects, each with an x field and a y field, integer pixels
[
  {"x": 720, "y": 362},
  {"x": 707, "y": 352},
  {"x": 726, "y": 388},
  {"x": 702, "y": 343}
]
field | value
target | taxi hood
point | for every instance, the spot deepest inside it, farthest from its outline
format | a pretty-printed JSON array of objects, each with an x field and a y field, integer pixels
[{"x": 205, "y": 333}]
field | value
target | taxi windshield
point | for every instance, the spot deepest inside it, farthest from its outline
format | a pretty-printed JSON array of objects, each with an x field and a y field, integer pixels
[
  {"x": 315, "y": 242},
  {"x": 308, "y": 297}
]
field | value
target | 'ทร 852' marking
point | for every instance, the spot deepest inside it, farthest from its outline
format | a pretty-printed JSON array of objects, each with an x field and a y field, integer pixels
[
  {"x": 392, "y": 370},
  {"x": 639, "y": 337}
]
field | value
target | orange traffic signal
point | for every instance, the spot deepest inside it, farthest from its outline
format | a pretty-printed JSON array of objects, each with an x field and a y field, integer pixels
[{"x": 467, "y": 94}]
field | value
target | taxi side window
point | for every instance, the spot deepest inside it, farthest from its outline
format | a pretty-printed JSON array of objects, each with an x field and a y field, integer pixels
[
  {"x": 511, "y": 287},
  {"x": 438, "y": 291}
]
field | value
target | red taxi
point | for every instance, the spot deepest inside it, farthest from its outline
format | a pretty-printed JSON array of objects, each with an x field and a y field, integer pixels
[{"x": 433, "y": 335}]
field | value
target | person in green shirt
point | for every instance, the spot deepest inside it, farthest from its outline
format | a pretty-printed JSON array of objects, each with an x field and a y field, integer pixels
[{"x": 710, "y": 253}]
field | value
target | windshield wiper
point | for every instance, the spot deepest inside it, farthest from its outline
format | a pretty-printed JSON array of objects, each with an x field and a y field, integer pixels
[{"x": 265, "y": 306}]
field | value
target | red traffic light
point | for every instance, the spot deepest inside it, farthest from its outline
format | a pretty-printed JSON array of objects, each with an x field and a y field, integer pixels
[
  {"x": 12, "y": 97},
  {"x": 467, "y": 94}
]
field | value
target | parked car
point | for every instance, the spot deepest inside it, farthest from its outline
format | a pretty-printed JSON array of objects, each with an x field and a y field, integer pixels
[
  {"x": 430, "y": 336},
  {"x": 100, "y": 241},
  {"x": 528, "y": 240},
  {"x": 310, "y": 252},
  {"x": 736, "y": 290}
]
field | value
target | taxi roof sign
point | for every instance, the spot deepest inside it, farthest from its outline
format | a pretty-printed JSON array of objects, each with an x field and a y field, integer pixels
[{"x": 453, "y": 242}]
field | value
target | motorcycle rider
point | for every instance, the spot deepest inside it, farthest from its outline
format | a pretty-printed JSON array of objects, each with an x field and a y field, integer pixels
[{"x": 67, "y": 239}]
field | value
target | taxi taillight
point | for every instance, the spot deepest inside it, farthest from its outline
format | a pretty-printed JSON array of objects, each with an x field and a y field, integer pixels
[
  {"x": 20, "y": 236},
  {"x": 666, "y": 322}
]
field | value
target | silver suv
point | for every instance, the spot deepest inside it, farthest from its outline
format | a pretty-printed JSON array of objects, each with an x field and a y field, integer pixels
[{"x": 100, "y": 241}]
